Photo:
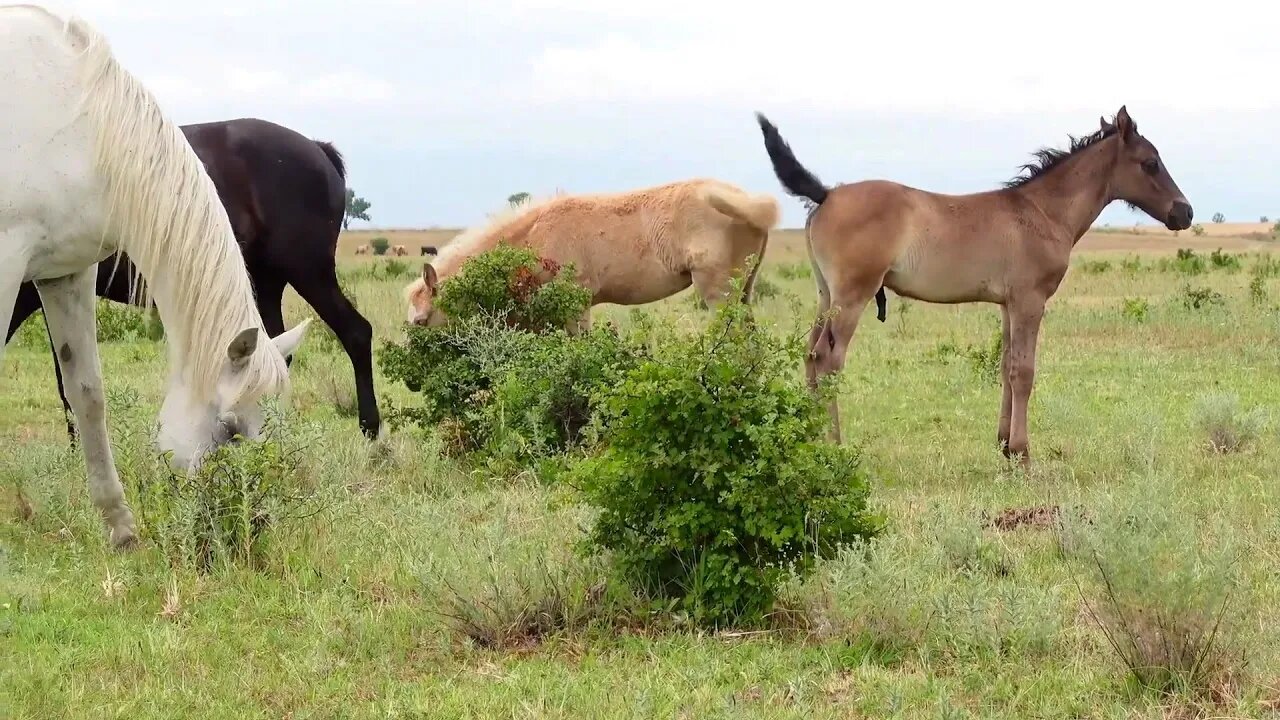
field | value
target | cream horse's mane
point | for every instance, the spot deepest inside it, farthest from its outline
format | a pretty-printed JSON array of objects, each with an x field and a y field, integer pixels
[
  {"x": 163, "y": 210},
  {"x": 485, "y": 236}
]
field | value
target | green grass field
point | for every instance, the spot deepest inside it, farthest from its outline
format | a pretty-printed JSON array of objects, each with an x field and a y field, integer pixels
[{"x": 350, "y": 614}]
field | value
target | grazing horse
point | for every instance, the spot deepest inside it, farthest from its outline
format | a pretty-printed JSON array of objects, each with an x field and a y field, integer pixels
[
  {"x": 93, "y": 166},
  {"x": 399, "y": 251},
  {"x": 1010, "y": 246},
  {"x": 429, "y": 250},
  {"x": 285, "y": 195},
  {"x": 628, "y": 248},
  {"x": 362, "y": 250}
]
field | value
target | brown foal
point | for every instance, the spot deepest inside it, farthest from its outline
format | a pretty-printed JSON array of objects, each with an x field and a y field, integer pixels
[{"x": 1009, "y": 246}]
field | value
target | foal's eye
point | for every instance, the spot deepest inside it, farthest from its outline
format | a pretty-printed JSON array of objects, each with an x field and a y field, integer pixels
[{"x": 1151, "y": 166}]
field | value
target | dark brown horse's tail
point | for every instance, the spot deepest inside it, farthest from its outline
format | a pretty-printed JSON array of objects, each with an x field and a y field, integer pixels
[
  {"x": 335, "y": 157},
  {"x": 795, "y": 177}
]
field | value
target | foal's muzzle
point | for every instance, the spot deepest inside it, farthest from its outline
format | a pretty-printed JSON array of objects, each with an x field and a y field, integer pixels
[{"x": 1180, "y": 216}]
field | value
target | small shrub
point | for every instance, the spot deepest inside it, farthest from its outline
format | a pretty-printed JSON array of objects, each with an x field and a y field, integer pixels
[
  {"x": 1170, "y": 600},
  {"x": 33, "y": 333},
  {"x": 1132, "y": 264},
  {"x": 1275, "y": 230},
  {"x": 1224, "y": 261},
  {"x": 502, "y": 376},
  {"x": 1136, "y": 309},
  {"x": 986, "y": 361},
  {"x": 223, "y": 512},
  {"x": 1219, "y": 218},
  {"x": 396, "y": 269},
  {"x": 1225, "y": 426},
  {"x": 1201, "y": 297},
  {"x": 764, "y": 288},
  {"x": 380, "y": 245},
  {"x": 1095, "y": 267},
  {"x": 795, "y": 271},
  {"x": 1258, "y": 289},
  {"x": 715, "y": 483},
  {"x": 1197, "y": 230},
  {"x": 118, "y": 322},
  {"x": 1188, "y": 262}
]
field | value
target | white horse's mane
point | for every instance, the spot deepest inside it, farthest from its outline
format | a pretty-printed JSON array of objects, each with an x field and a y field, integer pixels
[{"x": 163, "y": 210}]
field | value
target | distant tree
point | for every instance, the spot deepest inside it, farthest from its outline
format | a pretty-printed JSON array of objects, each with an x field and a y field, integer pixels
[
  {"x": 518, "y": 198},
  {"x": 1219, "y": 218},
  {"x": 1264, "y": 219},
  {"x": 357, "y": 209},
  {"x": 380, "y": 245}
]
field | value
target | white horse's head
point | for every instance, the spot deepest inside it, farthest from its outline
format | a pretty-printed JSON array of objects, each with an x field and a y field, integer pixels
[{"x": 192, "y": 424}]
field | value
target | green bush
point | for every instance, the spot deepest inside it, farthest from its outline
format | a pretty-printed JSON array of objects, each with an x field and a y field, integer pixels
[
  {"x": 1201, "y": 297},
  {"x": 1197, "y": 230},
  {"x": 503, "y": 376},
  {"x": 380, "y": 245},
  {"x": 1095, "y": 267},
  {"x": 715, "y": 483},
  {"x": 1136, "y": 309},
  {"x": 120, "y": 323},
  {"x": 1224, "y": 261}
]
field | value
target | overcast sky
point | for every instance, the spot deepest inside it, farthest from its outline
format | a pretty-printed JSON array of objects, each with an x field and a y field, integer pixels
[{"x": 443, "y": 109}]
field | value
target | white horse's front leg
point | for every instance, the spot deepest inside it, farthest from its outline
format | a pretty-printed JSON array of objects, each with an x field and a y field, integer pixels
[{"x": 69, "y": 311}]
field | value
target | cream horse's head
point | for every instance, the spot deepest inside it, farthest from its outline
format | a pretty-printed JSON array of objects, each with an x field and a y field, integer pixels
[{"x": 192, "y": 424}]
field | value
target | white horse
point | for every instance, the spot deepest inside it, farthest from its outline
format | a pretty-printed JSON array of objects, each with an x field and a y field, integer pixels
[{"x": 91, "y": 166}]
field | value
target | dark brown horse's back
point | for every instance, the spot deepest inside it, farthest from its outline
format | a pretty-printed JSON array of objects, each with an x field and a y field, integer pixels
[{"x": 272, "y": 177}]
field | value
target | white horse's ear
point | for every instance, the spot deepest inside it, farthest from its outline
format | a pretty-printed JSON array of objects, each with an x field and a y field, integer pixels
[
  {"x": 242, "y": 347},
  {"x": 287, "y": 342}
]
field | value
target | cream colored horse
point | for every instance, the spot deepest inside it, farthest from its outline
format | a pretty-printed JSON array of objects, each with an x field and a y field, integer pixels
[
  {"x": 628, "y": 248},
  {"x": 93, "y": 167}
]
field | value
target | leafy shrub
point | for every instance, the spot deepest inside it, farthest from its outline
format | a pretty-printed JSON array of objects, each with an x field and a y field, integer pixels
[
  {"x": 118, "y": 322},
  {"x": 1224, "y": 261},
  {"x": 380, "y": 245},
  {"x": 1197, "y": 230},
  {"x": 1132, "y": 264},
  {"x": 223, "y": 511},
  {"x": 986, "y": 361},
  {"x": 715, "y": 483},
  {"x": 1225, "y": 426},
  {"x": 503, "y": 376},
  {"x": 33, "y": 333},
  {"x": 764, "y": 288},
  {"x": 1095, "y": 267},
  {"x": 397, "y": 269},
  {"x": 795, "y": 271},
  {"x": 1275, "y": 229},
  {"x": 1258, "y": 288},
  {"x": 1136, "y": 309},
  {"x": 1201, "y": 297},
  {"x": 1186, "y": 262}
]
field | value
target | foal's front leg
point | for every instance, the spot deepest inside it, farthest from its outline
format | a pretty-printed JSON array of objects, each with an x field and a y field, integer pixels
[
  {"x": 69, "y": 311},
  {"x": 1024, "y": 332}
]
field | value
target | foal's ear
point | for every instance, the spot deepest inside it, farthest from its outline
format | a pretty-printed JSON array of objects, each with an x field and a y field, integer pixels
[
  {"x": 1104, "y": 125},
  {"x": 429, "y": 276},
  {"x": 1125, "y": 124},
  {"x": 287, "y": 342},
  {"x": 242, "y": 347}
]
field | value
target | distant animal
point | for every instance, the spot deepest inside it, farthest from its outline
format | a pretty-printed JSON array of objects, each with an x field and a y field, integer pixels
[
  {"x": 1010, "y": 247},
  {"x": 429, "y": 250},
  {"x": 93, "y": 166},
  {"x": 362, "y": 250},
  {"x": 285, "y": 195},
  {"x": 399, "y": 251},
  {"x": 628, "y": 248}
]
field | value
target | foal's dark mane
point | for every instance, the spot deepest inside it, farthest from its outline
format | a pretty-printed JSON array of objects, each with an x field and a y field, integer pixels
[{"x": 1048, "y": 158}]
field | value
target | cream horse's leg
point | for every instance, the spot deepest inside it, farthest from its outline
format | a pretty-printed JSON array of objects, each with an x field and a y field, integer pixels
[{"x": 69, "y": 311}]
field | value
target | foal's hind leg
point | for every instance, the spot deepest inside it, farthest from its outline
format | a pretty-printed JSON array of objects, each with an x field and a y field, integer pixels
[
  {"x": 851, "y": 300},
  {"x": 69, "y": 311}
]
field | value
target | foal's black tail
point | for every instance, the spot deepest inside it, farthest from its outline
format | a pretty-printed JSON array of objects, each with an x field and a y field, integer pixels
[
  {"x": 335, "y": 157},
  {"x": 795, "y": 177},
  {"x": 798, "y": 181}
]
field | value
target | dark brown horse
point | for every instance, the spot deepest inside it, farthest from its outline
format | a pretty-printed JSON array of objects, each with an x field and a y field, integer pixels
[
  {"x": 1010, "y": 246},
  {"x": 286, "y": 196}
]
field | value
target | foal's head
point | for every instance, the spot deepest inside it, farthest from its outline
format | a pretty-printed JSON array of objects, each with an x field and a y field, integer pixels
[
  {"x": 1140, "y": 177},
  {"x": 421, "y": 295}
]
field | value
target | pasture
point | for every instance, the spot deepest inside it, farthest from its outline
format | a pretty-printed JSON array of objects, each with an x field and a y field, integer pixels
[{"x": 355, "y": 611}]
